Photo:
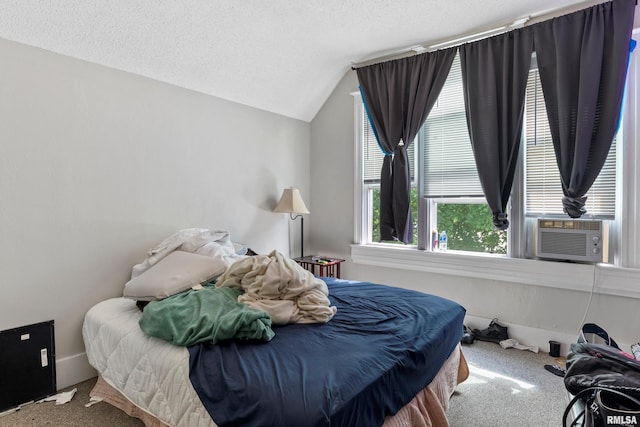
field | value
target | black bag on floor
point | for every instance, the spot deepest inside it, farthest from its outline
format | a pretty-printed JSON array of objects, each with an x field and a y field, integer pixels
[
  {"x": 607, "y": 381},
  {"x": 599, "y": 365},
  {"x": 604, "y": 407}
]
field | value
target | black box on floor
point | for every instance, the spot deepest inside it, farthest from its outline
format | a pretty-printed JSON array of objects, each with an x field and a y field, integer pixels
[{"x": 27, "y": 364}]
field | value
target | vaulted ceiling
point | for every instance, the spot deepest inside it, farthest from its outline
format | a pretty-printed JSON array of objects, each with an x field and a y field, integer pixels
[{"x": 282, "y": 56}]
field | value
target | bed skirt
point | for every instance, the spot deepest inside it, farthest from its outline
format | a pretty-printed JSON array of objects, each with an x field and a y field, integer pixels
[{"x": 427, "y": 409}]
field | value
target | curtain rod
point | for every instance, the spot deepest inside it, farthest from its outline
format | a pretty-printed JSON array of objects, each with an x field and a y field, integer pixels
[{"x": 476, "y": 34}]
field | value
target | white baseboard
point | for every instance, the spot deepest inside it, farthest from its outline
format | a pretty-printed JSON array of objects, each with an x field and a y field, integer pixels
[
  {"x": 528, "y": 336},
  {"x": 73, "y": 370}
]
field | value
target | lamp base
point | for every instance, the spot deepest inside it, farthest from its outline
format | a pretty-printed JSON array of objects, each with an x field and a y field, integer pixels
[{"x": 301, "y": 236}]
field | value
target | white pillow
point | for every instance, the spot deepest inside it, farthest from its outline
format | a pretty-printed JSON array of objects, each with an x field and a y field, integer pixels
[{"x": 174, "y": 273}]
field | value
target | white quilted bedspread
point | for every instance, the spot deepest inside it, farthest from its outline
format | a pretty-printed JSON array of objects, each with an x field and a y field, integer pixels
[
  {"x": 154, "y": 375},
  {"x": 151, "y": 373}
]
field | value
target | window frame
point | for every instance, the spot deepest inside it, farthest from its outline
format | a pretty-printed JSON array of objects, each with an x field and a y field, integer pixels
[
  {"x": 427, "y": 218},
  {"x": 531, "y": 205},
  {"x": 619, "y": 278},
  {"x": 432, "y": 220}
]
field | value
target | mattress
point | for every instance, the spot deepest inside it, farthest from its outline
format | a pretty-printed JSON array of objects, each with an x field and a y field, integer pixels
[{"x": 151, "y": 377}]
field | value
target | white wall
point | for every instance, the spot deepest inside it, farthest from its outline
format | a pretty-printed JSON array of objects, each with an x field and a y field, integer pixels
[
  {"x": 98, "y": 165},
  {"x": 535, "y": 314}
]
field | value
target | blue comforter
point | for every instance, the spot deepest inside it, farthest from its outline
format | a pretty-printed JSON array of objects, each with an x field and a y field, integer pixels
[{"x": 382, "y": 347}]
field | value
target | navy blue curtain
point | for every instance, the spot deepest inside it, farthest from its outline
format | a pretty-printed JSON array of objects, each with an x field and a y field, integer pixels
[{"x": 398, "y": 96}]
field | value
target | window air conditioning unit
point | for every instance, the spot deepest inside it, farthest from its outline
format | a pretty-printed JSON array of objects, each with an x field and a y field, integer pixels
[{"x": 572, "y": 240}]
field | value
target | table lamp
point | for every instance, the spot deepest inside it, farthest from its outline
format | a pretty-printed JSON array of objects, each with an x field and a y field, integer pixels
[{"x": 291, "y": 202}]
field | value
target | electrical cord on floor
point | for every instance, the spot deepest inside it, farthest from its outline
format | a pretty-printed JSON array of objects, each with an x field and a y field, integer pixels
[{"x": 561, "y": 370}]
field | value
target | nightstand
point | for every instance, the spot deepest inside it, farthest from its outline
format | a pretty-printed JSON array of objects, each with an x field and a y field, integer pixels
[{"x": 327, "y": 267}]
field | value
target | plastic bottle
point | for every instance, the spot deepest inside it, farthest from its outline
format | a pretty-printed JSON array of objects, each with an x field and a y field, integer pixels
[
  {"x": 434, "y": 240},
  {"x": 443, "y": 241}
]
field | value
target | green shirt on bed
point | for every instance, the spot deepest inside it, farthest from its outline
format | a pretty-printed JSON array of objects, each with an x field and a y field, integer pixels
[{"x": 206, "y": 315}]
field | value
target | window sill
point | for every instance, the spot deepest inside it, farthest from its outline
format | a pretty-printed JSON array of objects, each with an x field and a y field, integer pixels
[{"x": 609, "y": 279}]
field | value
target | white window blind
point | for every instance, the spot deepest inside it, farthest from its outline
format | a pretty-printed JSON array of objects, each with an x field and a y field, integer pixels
[
  {"x": 543, "y": 190},
  {"x": 373, "y": 155},
  {"x": 449, "y": 165}
]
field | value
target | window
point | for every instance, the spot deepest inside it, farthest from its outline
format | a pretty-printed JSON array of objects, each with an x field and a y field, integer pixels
[
  {"x": 372, "y": 162},
  {"x": 450, "y": 191},
  {"x": 447, "y": 194},
  {"x": 543, "y": 191}
]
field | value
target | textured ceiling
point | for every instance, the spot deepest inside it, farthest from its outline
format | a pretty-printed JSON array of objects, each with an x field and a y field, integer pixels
[{"x": 283, "y": 56}]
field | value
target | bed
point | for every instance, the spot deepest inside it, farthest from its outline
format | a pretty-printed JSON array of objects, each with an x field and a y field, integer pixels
[{"x": 384, "y": 356}]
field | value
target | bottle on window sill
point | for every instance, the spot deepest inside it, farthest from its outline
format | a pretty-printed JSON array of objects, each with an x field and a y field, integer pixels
[
  {"x": 443, "y": 241},
  {"x": 434, "y": 240}
]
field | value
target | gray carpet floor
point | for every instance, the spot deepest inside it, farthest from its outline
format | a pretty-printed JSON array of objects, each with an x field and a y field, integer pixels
[
  {"x": 505, "y": 388},
  {"x": 71, "y": 414},
  {"x": 508, "y": 387}
]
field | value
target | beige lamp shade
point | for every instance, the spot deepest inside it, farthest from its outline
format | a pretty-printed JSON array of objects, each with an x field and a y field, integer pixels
[{"x": 291, "y": 202}]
